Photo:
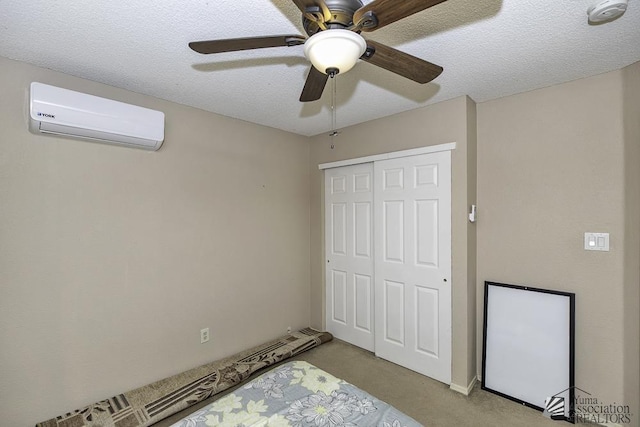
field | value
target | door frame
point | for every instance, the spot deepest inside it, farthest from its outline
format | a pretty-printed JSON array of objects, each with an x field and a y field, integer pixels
[{"x": 392, "y": 155}]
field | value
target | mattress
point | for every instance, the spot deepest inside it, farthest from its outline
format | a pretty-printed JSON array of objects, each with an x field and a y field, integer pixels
[
  {"x": 298, "y": 394},
  {"x": 149, "y": 404}
]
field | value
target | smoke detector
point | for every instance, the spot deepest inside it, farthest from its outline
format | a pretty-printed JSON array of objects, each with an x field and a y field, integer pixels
[{"x": 606, "y": 10}]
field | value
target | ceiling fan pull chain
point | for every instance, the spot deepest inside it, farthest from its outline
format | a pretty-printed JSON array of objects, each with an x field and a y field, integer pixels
[
  {"x": 333, "y": 105},
  {"x": 334, "y": 132}
]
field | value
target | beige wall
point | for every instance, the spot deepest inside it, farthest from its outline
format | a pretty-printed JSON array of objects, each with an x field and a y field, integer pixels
[
  {"x": 438, "y": 124},
  {"x": 549, "y": 169},
  {"x": 632, "y": 238},
  {"x": 113, "y": 259}
]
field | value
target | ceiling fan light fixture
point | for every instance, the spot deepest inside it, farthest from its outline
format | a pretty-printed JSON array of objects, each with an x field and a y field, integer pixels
[{"x": 335, "y": 49}]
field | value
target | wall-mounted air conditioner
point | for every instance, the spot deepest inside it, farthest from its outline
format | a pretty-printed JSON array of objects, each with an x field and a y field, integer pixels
[{"x": 63, "y": 112}]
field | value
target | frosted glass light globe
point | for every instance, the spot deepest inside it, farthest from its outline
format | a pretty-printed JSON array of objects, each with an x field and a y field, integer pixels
[{"x": 334, "y": 49}]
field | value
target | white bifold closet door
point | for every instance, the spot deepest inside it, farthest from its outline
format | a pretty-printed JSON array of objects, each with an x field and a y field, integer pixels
[
  {"x": 388, "y": 250},
  {"x": 412, "y": 212},
  {"x": 349, "y": 249}
]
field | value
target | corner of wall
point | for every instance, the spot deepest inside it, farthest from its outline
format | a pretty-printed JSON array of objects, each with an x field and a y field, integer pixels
[
  {"x": 472, "y": 182},
  {"x": 631, "y": 292}
]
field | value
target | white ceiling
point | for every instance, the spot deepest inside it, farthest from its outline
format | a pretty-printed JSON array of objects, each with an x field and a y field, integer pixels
[{"x": 488, "y": 48}]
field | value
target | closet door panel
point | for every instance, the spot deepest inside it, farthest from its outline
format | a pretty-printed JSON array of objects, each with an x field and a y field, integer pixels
[
  {"x": 412, "y": 291},
  {"x": 349, "y": 254}
]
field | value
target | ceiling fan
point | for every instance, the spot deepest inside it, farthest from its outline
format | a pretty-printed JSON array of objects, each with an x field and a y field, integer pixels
[{"x": 335, "y": 44}]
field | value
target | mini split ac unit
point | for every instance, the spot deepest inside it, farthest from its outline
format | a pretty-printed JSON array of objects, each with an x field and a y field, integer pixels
[{"x": 63, "y": 112}]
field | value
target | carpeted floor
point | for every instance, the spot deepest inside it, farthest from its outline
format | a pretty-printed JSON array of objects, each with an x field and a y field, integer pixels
[{"x": 428, "y": 401}]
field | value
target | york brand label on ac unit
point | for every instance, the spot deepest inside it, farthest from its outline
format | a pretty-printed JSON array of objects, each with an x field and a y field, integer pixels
[{"x": 51, "y": 116}]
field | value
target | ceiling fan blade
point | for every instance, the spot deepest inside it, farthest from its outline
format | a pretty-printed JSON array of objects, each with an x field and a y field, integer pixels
[
  {"x": 314, "y": 10},
  {"x": 400, "y": 63},
  {"x": 314, "y": 86},
  {"x": 379, "y": 13},
  {"x": 231, "y": 45}
]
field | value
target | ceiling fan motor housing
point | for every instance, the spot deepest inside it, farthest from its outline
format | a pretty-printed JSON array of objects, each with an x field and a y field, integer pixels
[{"x": 341, "y": 15}]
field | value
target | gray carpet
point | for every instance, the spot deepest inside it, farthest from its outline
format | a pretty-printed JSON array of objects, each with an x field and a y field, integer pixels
[{"x": 428, "y": 401}]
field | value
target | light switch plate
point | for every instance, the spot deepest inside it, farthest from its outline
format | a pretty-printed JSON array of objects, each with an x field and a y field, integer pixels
[{"x": 596, "y": 241}]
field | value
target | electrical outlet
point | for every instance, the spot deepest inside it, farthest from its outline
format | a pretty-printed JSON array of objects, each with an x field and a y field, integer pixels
[
  {"x": 288, "y": 329},
  {"x": 204, "y": 335}
]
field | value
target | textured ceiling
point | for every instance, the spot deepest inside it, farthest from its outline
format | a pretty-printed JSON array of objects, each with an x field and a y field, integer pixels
[{"x": 488, "y": 48}]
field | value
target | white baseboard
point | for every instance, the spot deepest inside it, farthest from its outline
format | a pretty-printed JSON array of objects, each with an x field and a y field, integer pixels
[{"x": 462, "y": 389}]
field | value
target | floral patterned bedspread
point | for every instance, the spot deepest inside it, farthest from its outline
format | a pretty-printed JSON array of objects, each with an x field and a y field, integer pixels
[{"x": 298, "y": 394}]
